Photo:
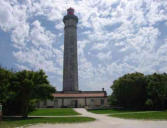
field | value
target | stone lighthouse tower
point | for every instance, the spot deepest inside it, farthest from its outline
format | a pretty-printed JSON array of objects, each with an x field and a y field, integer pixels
[{"x": 70, "y": 66}]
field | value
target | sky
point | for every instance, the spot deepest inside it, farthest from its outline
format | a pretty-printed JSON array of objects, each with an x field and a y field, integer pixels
[{"x": 115, "y": 37}]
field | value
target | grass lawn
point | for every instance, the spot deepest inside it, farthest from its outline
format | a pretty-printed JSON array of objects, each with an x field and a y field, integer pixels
[
  {"x": 15, "y": 122},
  {"x": 108, "y": 111},
  {"x": 54, "y": 112},
  {"x": 152, "y": 115},
  {"x": 161, "y": 115}
]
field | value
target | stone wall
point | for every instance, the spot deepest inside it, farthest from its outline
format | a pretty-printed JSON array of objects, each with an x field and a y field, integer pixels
[
  {"x": 70, "y": 65},
  {"x": 75, "y": 102}
]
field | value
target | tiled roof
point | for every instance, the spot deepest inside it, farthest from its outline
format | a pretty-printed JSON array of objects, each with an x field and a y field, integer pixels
[{"x": 82, "y": 94}]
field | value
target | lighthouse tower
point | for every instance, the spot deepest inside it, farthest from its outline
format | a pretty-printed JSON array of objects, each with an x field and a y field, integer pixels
[
  {"x": 70, "y": 65},
  {"x": 71, "y": 96}
]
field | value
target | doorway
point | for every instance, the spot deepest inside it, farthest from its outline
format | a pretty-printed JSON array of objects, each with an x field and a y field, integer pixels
[{"x": 76, "y": 103}]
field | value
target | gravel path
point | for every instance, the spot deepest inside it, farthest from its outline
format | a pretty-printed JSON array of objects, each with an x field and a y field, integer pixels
[{"x": 103, "y": 121}]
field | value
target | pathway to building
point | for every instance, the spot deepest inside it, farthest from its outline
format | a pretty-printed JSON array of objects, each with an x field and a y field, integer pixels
[{"x": 104, "y": 121}]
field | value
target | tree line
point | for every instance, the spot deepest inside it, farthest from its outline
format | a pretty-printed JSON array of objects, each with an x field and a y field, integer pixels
[
  {"x": 21, "y": 90},
  {"x": 139, "y": 91}
]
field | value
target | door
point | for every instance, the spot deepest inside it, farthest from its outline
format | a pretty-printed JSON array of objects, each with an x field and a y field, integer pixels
[{"x": 76, "y": 103}]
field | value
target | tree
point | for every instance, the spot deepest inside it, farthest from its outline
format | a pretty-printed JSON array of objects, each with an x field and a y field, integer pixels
[
  {"x": 21, "y": 89},
  {"x": 129, "y": 91},
  {"x": 156, "y": 91},
  {"x": 138, "y": 91},
  {"x": 5, "y": 83},
  {"x": 32, "y": 86}
]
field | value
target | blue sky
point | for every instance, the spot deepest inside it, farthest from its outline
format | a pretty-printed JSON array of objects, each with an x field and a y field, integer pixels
[{"x": 115, "y": 37}]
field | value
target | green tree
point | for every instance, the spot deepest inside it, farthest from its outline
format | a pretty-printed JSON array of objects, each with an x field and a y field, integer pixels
[
  {"x": 5, "y": 83},
  {"x": 157, "y": 91},
  {"x": 129, "y": 91},
  {"x": 20, "y": 90},
  {"x": 30, "y": 86}
]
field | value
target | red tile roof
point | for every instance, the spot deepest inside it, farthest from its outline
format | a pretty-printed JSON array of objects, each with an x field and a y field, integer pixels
[{"x": 94, "y": 94}]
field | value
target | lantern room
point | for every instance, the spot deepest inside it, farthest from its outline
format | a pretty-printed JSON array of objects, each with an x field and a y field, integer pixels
[{"x": 70, "y": 11}]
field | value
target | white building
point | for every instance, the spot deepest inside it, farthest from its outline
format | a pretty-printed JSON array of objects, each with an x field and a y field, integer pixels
[{"x": 89, "y": 99}]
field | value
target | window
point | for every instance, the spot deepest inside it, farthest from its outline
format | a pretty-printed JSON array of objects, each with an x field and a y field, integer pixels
[
  {"x": 55, "y": 102},
  {"x": 102, "y": 101},
  {"x": 45, "y": 103},
  {"x": 92, "y": 100}
]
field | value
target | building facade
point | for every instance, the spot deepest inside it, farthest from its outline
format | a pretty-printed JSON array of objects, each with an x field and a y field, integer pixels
[
  {"x": 88, "y": 99},
  {"x": 71, "y": 96}
]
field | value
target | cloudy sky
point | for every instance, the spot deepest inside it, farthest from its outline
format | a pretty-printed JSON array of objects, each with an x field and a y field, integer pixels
[{"x": 114, "y": 37}]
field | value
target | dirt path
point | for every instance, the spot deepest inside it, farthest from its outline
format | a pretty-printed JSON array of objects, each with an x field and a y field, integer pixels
[{"x": 104, "y": 121}]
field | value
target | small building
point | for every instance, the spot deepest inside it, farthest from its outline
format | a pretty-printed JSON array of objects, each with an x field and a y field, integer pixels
[{"x": 89, "y": 99}]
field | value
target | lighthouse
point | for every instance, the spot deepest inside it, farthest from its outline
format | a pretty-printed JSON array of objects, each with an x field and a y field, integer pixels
[{"x": 70, "y": 63}]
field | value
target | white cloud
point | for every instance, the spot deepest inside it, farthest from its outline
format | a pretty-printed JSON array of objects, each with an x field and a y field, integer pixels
[
  {"x": 7, "y": 17},
  {"x": 36, "y": 59},
  {"x": 39, "y": 36},
  {"x": 58, "y": 57},
  {"x": 13, "y": 19},
  {"x": 20, "y": 35},
  {"x": 86, "y": 70},
  {"x": 104, "y": 56},
  {"x": 100, "y": 46},
  {"x": 81, "y": 47},
  {"x": 121, "y": 31},
  {"x": 59, "y": 26}
]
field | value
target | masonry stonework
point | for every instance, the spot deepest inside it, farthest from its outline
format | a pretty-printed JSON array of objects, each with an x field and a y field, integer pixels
[{"x": 70, "y": 67}]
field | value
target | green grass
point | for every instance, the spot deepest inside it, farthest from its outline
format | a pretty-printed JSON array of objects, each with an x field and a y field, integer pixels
[
  {"x": 16, "y": 122},
  {"x": 147, "y": 115},
  {"x": 161, "y": 115},
  {"x": 54, "y": 112},
  {"x": 109, "y": 111}
]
